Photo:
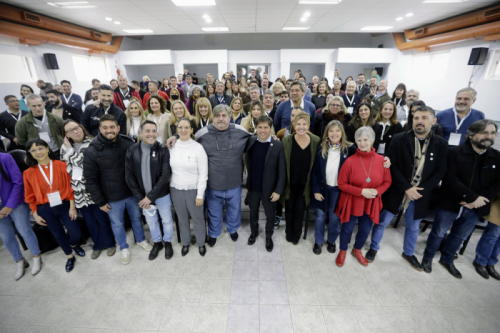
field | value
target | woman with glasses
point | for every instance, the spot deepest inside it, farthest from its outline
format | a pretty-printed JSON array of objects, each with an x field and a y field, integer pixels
[
  {"x": 335, "y": 110},
  {"x": 49, "y": 193}
]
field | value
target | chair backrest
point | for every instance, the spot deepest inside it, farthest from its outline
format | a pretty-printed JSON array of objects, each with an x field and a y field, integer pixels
[{"x": 19, "y": 156}]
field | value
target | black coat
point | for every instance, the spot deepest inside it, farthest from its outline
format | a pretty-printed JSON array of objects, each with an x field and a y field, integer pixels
[
  {"x": 364, "y": 91},
  {"x": 214, "y": 100},
  {"x": 318, "y": 101},
  {"x": 389, "y": 134},
  {"x": 90, "y": 118},
  {"x": 8, "y": 127},
  {"x": 274, "y": 167},
  {"x": 350, "y": 132},
  {"x": 104, "y": 169},
  {"x": 458, "y": 178},
  {"x": 159, "y": 167},
  {"x": 321, "y": 122},
  {"x": 402, "y": 155},
  {"x": 69, "y": 112}
]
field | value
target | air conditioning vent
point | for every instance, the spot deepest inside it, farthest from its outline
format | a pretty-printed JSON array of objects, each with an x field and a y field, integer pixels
[
  {"x": 491, "y": 12},
  {"x": 97, "y": 35},
  {"x": 32, "y": 17},
  {"x": 419, "y": 31}
]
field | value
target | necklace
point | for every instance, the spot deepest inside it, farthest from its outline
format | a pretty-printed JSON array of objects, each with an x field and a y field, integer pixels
[{"x": 367, "y": 174}]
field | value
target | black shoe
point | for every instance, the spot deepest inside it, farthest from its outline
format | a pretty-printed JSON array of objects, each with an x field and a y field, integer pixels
[
  {"x": 185, "y": 250},
  {"x": 413, "y": 261},
  {"x": 427, "y": 265},
  {"x": 169, "y": 251},
  {"x": 79, "y": 251},
  {"x": 234, "y": 237},
  {"x": 203, "y": 250},
  {"x": 288, "y": 238},
  {"x": 317, "y": 248},
  {"x": 157, "y": 247},
  {"x": 481, "y": 270},
  {"x": 295, "y": 242},
  {"x": 370, "y": 255},
  {"x": 70, "y": 264},
  {"x": 452, "y": 269},
  {"x": 277, "y": 221},
  {"x": 456, "y": 256},
  {"x": 252, "y": 239},
  {"x": 270, "y": 244},
  {"x": 492, "y": 272},
  {"x": 331, "y": 247},
  {"x": 212, "y": 241}
]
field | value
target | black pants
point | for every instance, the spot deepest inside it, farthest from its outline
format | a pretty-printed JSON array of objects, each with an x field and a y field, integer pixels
[
  {"x": 294, "y": 212},
  {"x": 279, "y": 208},
  {"x": 254, "y": 199},
  {"x": 57, "y": 155}
]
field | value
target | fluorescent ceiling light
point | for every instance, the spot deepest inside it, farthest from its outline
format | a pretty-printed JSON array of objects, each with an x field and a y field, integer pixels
[
  {"x": 399, "y": 19},
  {"x": 108, "y": 19},
  {"x": 409, "y": 15},
  {"x": 307, "y": 14},
  {"x": 319, "y": 2},
  {"x": 215, "y": 29},
  {"x": 138, "y": 31},
  {"x": 206, "y": 16},
  {"x": 71, "y": 5},
  {"x": 376, "y": 28},
  {"x": 443, "y": 1},
  {"x": 296, "y": 28},
  {"x": 118, "y": 22},
  {"x": 182, "y": 3}
]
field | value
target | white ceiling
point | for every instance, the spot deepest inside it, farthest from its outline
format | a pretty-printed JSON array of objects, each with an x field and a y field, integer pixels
[{"x": 247, "y": 16}]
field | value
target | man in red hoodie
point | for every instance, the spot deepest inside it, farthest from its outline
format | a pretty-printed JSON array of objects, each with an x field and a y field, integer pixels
[{"x": 123, "y": 94}]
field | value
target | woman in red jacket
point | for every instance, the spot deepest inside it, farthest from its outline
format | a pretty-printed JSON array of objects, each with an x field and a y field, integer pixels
[{"x": 362, "y": 180}]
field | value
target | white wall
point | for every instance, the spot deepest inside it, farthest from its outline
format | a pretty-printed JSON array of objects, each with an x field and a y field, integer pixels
[{"x": 272, "y": 58}]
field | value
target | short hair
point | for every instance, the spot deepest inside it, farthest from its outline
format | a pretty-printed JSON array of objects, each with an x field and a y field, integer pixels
[
  {"x": 107, "y": 117},
  {"x": 254, "y": 88},
  {"x": 353, "y": 82},
  {"x": 173, "y": 77},
  {"x": 154, "y": 82},
  {"x": 113, "y": 80},
  {"x": 54, "y": 91},
  {"x": 209, "y": 74},
  {"x": 269, "y": 92},
  {"x": 315, "y": 76},
  {"x": 57, "y": 85},
  {"x": 365, "y": 130},
  {"x": 65, "y": 81},
  {"x": 302, "y": 115},
  {"x": 468, "y": 89},
  {"x": 220, "y": 82},
  {"x": 188, "y": 76},
  {"x": 254, "y": 81},
  {"x": 416, "y": 103},
  {"x": 95, "y": 80},
  {"x": 147, "y": 122},
  {"x": 284, "y": 92},
  {"x": 221, "y": 108},
  {"x": 40, "y": 81},
  {"x": 479, "y": 126},
  {"x": 6, "y": 98},
  {"x": 105, "y": 87},
  {"x": 361, "y": 74},
  {"x": 264, "y": 119},
  {"x": 135, "y": 82},
  {"x": 300, "y": 84},
  {"x": 426, "y": 108},
  {"x": 414, "y": 91},
  {"x": 30, "y": 160},
  {"x": 32, "y": 97},
  {"x": 289, "y": 80},
  {"x": 94, "y": 89}
]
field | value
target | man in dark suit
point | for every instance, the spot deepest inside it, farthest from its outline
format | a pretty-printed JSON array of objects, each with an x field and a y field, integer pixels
[
  {"x": 220, "y": 97},
  {"x": 265, "y": 161},
  {"x": 362, "y": 89},
  {"x": 9, "y": 119}
]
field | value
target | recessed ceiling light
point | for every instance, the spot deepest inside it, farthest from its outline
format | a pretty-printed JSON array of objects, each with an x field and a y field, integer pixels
[
  {"x": 71, "y": 5},
  {"x": 208, "y": 20},
  {"x": 376, "y": 28},
  {"x": 296, "y": 28},
  {"x": 307, "y": 14},
  {"x": 303, "y": 19},
  {"x": 215, "y": 29},
  {"x": 118, "y": 22},
  {"x": 205, "y": 16},
  {"x": 409, "y": 15},
  {"x": 182, "y": 3},
  {"x": 443, "y": 1},
  {"x": 319, "y": 2},
  {"x": 108, "y": 19},
  {"x": 138, "y": 31},
  {"x": 399, "y": 19}
]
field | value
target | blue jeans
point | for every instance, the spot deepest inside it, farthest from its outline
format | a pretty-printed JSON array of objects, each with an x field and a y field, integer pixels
[
  {"x": 99, "y": 227},
  {"x": 461, "y": 228},
  {"x": 411, "y": 231},
  {"x": 163, "y": 207},
  {"x": 215, "y": 205},
  {"x": 21, "y": 217},
  {"x": 364, "y": 227},
  {"x": 53, "y": 217},
  {"x": 488, "y": 248},
  {"x": 334, "y": 224},
  {"x": 116, "y": 216}
]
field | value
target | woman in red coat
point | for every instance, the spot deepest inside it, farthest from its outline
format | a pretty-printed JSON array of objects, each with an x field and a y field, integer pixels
[{"x": 362, "y": 180}]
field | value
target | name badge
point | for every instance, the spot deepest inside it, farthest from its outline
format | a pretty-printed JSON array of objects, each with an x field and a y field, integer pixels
[
  {"x": 44, "y": 136},
  {"x": 158, "y": 139},
  {"x": 77, "y": 173},
  {"x": 381, "y": 149},
  {"x": 54, "y": 199},
  {"x": 126, "y": 102},
  {"x": 454, "y": 139},
  {"x": 350, "y": 109}
]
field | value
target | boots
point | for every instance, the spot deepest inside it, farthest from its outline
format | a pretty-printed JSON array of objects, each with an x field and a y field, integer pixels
[
  {"x": 362, "y": 260},
  {"x": 341, "y": 258}
]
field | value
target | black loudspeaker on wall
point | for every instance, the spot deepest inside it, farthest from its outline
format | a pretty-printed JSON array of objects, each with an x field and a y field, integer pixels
[
  {"x": 478, "y": 56},
  {"x": 50, "y": 61},
  {"x": 380, "y": 70}
]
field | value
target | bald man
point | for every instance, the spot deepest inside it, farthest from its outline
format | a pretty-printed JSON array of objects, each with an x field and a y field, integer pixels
[{"x": 123, "y": 94}]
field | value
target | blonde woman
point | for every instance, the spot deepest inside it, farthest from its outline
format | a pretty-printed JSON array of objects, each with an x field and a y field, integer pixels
[
  {"x": 237, "y": 110},
  {"x": 157, "y": 113},
  {"x": 145, "y": 82},
  {"x": 179, "y": 111},
  {"x": 249, "y": 122},
  {"x": 135, "y": 117},
  {"x": 203, "y": 114},
  {"x": 278, "y": 87}
]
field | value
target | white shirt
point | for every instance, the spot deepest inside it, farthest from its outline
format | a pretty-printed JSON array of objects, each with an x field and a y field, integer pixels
[
  {"x": 332, "y": 167},
  {"x": 301, "y": 103}
]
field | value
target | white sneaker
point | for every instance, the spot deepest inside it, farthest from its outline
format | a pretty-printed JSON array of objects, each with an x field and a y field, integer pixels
[
  {"x": 37, "y": 265},
  {"x": 146, "y": 246},
  {"x": 21, "y": 265},
  {"x": 125, "y": 259}
]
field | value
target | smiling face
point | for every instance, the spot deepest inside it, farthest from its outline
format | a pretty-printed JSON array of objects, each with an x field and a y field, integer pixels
[
  {"x": 351, "y": 88},
  {"x": 334, "y": 134},
  {"x": 210, "y": 90},
  {"x": 373, "y": 82},
  {"x": 220, "y": 88},
  {"x": 184, "y": 130},
  {"x": 109, "y": 129},
  {"x": 382, "y": 86},
  {"x": 263, "y": 131},
  {"x": 399, "y": 92},
  {"x": 387, "y": 112},
  {"x": 464, "y": 101},
  {"x": 203, "y": 109},
  {"x": 422, "y": 122},
  {"x": 74, "y": 131},
  {"x": 134, "y": 110},
  {"x": 364, "y": 112},
  {"x": 13, "y": 104},
  {"x": 256, "y": 112},
  {"x": 361, "y": 79},
  {"x": 484, "y": 139},
  {"x": 106, "y": 97},
  {"x": 364, "y": 143},
  {"x": 237, "y": 105},
  {"x": 322, "y": 88},
  {"x": 178, "y": 111},
  {"x": 268, "y": 101},
  {"x": 53, "y": 99},
  {"x": 66, "y": 88},
  {"x": 149, "y": 134},
  {"x": 94, "y": 94},
  {"x": 411, "y": 97},
  {"x": 122, "y": 82},
  {"x": 335, "y": 107},
  {"x": 301, "y": 127},
  {"x": 114, "y": 84},
  {"x": 39, "y": 153},
  {"x": 154, "y": 105},
  {"x": 235, "y": 87}
]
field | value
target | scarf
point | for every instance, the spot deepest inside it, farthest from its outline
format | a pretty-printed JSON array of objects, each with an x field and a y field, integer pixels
[
  {"x": 334, "y": 146},
  {"x": 337, "y": 116}
]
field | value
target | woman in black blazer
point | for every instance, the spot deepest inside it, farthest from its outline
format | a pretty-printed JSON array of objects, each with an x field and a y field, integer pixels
[{"x": 388, "y": 119}]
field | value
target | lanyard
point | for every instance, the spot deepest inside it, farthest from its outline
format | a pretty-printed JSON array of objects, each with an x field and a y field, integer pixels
[
  {"x": 457, "y": 124},
  {"x": 43, "y": 119},
  {"x": 124, "y": 95},
  {"x": 68, "y": 99},
  {"x": 201, "y": 122},
  {"x": 349, "y": 100},
  {"x": 45, "y": 176},
  {"x": 221, "y": 98},
  {"x": 154, "y": 119},
  {"x": 18, "y": 117},
  {"x": 399, "y": 100}
]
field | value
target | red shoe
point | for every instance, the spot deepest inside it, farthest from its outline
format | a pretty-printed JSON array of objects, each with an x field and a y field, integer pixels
[
  {"x": 362, "y": 260},
  {"x": 341, "y": 258}
]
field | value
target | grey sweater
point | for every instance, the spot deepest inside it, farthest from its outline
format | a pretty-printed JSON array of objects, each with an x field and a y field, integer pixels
[
  {"x": 146, "y": 167},
  {"x": 225, "y": 155}
]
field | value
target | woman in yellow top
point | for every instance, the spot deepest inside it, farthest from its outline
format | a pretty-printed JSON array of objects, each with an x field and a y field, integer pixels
[
  {"x": 256, "y": 110},
  {"x": 179, "y": 111}
]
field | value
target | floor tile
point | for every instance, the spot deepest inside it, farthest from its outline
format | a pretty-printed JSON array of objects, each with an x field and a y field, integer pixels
[
  {"x": 187, "y": 290},
  {"x": 211, "y": 318},
  {"x": 275, "y": 319},
  {"x": 179, "y": 317},
  {"x": 148, "y": 315},
  {"x": 307, "y": 318},
  {"x": 243, "y": 319},
  {"x": 215, "y": 291},
  {"x": 340, "y": 319},
  {"x": 271, "y": 270},
  {"x": 244, "y": 292},
  {"x": 273, "y": 292},
  {"x": 245, "y": 270},
  {"x": 117, "y": 314}
]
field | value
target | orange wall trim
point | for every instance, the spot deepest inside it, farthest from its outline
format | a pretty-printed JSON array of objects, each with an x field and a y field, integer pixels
[{"x": 28, "y": 33}]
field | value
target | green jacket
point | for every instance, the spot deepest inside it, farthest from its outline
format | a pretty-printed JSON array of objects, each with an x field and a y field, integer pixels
[
  {"x": 26, "y": 129},
  {"x": 287, "y": 143},
  {"x": 377, "y": 104}
]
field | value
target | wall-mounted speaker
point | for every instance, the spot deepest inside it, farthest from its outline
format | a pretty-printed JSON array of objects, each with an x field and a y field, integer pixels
[
  {"x": 478, "y": 56},
  {"x": 380, "y": 71},
  {"x": 50, "y": 61}
]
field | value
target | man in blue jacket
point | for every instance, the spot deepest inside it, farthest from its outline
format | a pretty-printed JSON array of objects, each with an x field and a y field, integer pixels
[
  {"x": 455, "y": 121},
  {"x": 282, "y": 117}
]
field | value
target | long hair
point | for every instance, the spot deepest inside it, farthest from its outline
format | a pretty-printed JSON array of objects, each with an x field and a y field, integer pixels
[
  {"x": 356, "y": 119},
  {"x": 344, "y": 144},
  {"x": 129, "y": 116},
  {"x": 163, "y": 104},
  {"x": 206, "y": 89},
  {"x": 25, "y": 86},
  {"x": 230, "y": 87},
  {"x": 409, "y": 122},
  {"x": 238, "y": 85},
  {"x": 30, "y": 160},
  {"x": 163, "y": 83},
  {"x": 203, "y": 102},
  {"x": 394, "y": 118},
  {"x": 249, "y": 117},
  {"x": 241, "y": 103},
  {"x": 86, "y": 135},
  {"x": 316, "y": 90},
  {"x": 403, "y": 97},
  {"x": 172, "y": 120}
]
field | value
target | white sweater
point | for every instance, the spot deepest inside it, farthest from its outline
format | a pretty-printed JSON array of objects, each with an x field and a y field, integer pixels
[{"x": 189, "y": 164}]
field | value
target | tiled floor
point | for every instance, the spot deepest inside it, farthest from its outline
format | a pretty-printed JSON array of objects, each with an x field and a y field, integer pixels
[{"x": 241, "y": 288}]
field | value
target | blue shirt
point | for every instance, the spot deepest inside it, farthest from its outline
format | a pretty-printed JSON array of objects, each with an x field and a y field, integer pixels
[
  {"x": 282, "y": 116},
  {"x": 74, "y": 100},
  {"x": 447, "y": 120}
]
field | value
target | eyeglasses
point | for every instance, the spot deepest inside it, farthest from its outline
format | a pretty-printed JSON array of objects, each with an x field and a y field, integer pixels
[
  {"x": 37, "y": 150},
  {"x": 73, "y": 130},
  {"x": 336, "y": 105},
  {"x": 230, "y": 144}
]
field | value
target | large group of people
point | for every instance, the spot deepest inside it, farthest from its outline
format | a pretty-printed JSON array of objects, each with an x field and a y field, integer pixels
[{"x": 352, "y": 152}]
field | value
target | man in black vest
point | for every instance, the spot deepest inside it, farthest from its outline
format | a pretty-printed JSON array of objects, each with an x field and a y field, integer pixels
[
  {"x": 418, "y": 164},
  {"x": 265, "y": 161},
  {"x": 9, "y": 119},
  {"x": 472, "y": 180}
]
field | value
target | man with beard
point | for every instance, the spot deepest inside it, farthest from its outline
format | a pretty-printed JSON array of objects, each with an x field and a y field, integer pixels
[
  {"x": 63, "y": 110},
  {"x": 361, "y": 88},
  {"x": 456, "y": 121},
  {"x": 282, "y": 117},
  {"x": 92, "y": 114},
  {"x": 88, "y": 94},
  {"x": 471, "y": 182},
  {"x": 44, "y": 88},
  {"x": 123, "y": 94},
  {"x": 418, "y": 164},
  {"x": 94, "y": 93},
  {"x": 9, "y": 119}
]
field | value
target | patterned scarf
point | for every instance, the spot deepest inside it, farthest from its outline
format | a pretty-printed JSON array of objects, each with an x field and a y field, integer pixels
[{"x": 334, "y": 146}]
